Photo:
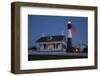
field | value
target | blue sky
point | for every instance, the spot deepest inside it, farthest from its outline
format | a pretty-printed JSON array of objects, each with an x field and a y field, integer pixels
[{"x": 55, "y": 25}]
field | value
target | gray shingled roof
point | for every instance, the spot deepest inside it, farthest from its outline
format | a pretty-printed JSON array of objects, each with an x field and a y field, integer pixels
[{"x": 51, "y": 38}]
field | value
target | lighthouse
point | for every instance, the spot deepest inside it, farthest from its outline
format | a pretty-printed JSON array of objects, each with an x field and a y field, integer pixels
[{"x": 69, "y": 39}]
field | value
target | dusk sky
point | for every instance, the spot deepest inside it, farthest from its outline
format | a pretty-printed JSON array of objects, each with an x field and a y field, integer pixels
[{"x": 55, "y": 25}]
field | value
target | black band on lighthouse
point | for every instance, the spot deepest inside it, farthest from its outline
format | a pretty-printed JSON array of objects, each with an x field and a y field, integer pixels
[{"x": 69, "y": 26}]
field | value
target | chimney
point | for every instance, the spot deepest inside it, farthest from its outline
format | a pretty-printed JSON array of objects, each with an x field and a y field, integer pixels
[
  {"x": 62, "y": 33},
  {"x": 43, "y": 34}
]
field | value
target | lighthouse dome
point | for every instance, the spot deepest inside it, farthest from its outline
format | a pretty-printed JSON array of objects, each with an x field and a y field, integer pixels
[{"x": 69, "y": 22}]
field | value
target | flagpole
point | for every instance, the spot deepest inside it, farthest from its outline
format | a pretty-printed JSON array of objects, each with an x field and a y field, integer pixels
[{"x": 81, "y": 40}]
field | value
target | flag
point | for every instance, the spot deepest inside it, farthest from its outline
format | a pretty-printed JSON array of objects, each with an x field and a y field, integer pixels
[{"x": 73, "y": 29}]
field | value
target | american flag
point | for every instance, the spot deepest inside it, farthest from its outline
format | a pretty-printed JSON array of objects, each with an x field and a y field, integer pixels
[{"x": 73, "y": 29}]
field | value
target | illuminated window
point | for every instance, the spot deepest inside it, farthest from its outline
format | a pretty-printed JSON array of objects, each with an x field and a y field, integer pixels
[{"x": 51, "y": 46}]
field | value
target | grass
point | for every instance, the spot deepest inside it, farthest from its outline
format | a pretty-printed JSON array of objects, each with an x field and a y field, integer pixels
[{"x": 52, "y": 57}]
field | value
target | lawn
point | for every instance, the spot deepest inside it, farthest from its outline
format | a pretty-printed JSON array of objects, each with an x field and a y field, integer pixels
[{"x": 52, "y": 57}]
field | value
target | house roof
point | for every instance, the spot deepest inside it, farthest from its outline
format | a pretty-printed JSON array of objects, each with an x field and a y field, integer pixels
[{"x": 51, "y": 38}]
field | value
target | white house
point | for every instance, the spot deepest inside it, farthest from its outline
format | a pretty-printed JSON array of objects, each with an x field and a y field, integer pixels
[{"x": 51, "y": 43}]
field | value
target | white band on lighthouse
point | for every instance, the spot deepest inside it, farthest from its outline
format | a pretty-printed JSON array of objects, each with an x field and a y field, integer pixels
[{"x": 69, "y": 33}]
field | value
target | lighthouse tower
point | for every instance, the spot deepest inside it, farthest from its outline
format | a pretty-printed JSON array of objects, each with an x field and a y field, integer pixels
[{"x": 69, "y": 40}]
